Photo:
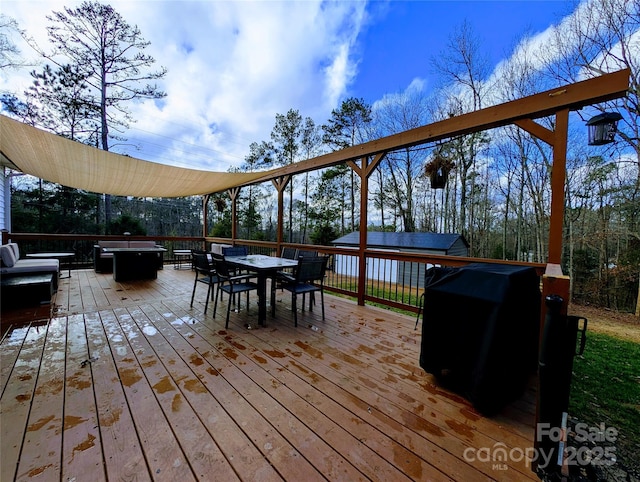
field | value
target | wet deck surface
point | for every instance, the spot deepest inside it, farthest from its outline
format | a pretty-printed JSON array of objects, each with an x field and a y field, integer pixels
[{"x": 127, "y": 382}]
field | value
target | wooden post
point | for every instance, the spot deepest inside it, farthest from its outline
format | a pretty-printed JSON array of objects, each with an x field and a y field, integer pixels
[
  {"x": 233, "y": 195},
  {"x": 364, "y": 171},
  {"x": 362, "y": 260},
  {"x": 205, "y": 216},
  {"x": 280, "y": 184},
  {"x": 554, "y": 282},
  {"x": 558, "y": 177}
]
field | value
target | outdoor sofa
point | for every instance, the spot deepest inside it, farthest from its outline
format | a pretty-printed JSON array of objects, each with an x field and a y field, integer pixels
[
  {"x": 25, "y": 281},
  {"x": 13, "y": 265}
]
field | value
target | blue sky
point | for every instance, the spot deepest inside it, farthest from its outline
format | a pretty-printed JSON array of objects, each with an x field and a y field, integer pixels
[
  {"x": 408, "y": 34},
  {"x": 233, "y": 65}
]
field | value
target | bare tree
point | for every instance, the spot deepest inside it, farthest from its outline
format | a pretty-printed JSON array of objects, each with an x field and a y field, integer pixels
[
  {"x": 285, "y": 138},
  {"x": 402, "y": 169},
  {"x": 464, "y": 70},
  {"x": 10, "y": 55},
  {"x": 109, "y": 53},
  {"x": 347, "y": 127},
  {"x": 310, "y": 143},
  {"x": 10, "y": 59},
  {"x": 602, "y": 37}
]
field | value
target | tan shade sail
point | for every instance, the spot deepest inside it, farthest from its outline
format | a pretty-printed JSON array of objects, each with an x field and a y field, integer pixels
[{"x": 56, "y": 159}]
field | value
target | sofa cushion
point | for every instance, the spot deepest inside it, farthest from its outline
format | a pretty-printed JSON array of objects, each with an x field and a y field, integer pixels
[
  {"x": 113, "y": 244},
  {"x": 217, "y": 248},
  {"x": 16, "y": 250},
  {"x": 29, "y": 265},
  {"x": 142, "y": 244},
  {"x": 7, "y": 255}
]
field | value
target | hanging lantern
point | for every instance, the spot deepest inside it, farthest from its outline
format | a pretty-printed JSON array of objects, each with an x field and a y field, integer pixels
[{"x": 602, "y": 128}]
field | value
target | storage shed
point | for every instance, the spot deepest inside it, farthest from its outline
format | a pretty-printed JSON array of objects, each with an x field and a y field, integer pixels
[{"x": 398, "y": 271}]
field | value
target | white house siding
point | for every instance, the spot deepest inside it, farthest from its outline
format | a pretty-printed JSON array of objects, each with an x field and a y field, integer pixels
[{"x": 5, "y": 217}]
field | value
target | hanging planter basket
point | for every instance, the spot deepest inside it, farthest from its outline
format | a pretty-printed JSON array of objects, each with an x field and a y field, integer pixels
[
  {"x": 438, "y": 171},
  {"x": 439, "y": 179}
]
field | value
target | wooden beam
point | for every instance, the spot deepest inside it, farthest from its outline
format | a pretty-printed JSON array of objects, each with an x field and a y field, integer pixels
[{"x": 536, "y": 130}]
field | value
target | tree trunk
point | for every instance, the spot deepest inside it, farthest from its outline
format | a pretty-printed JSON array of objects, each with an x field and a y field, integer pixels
[{"x": 638, "y": 298}]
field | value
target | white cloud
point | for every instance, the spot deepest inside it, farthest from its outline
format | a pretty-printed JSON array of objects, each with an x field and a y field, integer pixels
[
  {"x": 540, "y": 48},
  {"x": 232, "y": 66}
]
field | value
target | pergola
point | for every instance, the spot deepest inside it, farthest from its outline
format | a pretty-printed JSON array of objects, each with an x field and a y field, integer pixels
[
  {"x": 364, "y": 158},
  {"x": 72, "y": 164}
]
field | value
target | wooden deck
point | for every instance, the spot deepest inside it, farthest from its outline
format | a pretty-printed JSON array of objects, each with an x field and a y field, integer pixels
[{"x": 126, "y": 382}]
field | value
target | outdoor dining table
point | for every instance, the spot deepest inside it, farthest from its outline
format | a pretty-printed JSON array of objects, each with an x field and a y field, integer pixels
[{"x": 264, "y": 267}]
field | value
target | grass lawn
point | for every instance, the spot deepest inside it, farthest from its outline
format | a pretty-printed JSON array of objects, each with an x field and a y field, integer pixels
[{"x": 606, "y": 390}]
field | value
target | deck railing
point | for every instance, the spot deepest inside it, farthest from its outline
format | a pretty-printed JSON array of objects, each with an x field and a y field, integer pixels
[
  {"x": 82, "y": 244},
  {"x": 393, "y": 279}
]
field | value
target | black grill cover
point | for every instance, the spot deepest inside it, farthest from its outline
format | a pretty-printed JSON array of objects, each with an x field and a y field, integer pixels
[{"x": 480, "y": 331}]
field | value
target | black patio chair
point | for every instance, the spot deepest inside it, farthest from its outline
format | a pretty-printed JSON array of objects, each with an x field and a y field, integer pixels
[
  {"x": 288, "y": 274},
  {"x": 228, "y": 251},
  {"x": 232, "y": 285},
  {"x": 289, "y": 253},
  {"x": 305, "y": 253},
  {"x": 309, "y": 278},
  {"x": 193, "y": 259},
  {"x": 205, "y": 273},
  {"x": 234, "y": 251}
]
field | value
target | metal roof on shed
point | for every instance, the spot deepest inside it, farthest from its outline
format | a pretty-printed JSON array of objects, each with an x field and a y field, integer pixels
[{"x": 378, "y": 239}]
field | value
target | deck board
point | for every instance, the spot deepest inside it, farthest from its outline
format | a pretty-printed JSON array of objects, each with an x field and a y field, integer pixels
[
  {"x": 118, "y": 432},
  {"x": 126, "y": 381},
  {"x": 186, "y": 395},
  {"x": 254, "y": 378},
  {"x": 161, "y": 447},
  {"x": 41, "y": 454},
  {"x": 350, "y": 381},
  {"x": 168, "y": 386},
  {"x": 82, "y": 444},
  {"x": 16, "y": 400}
]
